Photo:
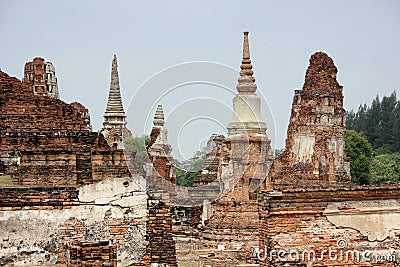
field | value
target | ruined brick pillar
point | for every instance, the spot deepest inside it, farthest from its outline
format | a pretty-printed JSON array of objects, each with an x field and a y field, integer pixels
[
  {"x": 160, "y": 183},
  {"x": 160, "y": 250},
  {"x": 315, "y": 148},
  {"x": 41, "y": 77}
]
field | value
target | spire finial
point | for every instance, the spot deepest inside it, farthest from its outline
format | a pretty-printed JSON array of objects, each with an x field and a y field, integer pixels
[
  {"x": 246, "y": 80},
  {"x": 246, "y": 49},
  {"x": 114, "y": 104},
  {"x": 114, "y": 63},
  {"x": 159, "y": 117}
]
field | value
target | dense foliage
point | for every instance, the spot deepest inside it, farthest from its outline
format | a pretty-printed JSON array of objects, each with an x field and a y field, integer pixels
[
  {"x": 380, "y": 122},
  {"x": 385, "y": 168},
  {"x": 185, "y": 178},
  {"x": 138, "y": 144},
  {"x": 380, "y": 125},
  {"x": 188, "y": 170},
  {"x": 360, "y": 151}
]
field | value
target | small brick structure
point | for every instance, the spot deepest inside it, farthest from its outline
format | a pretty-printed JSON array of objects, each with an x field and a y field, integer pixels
[
  {"x": 93, "y": 254},
  {"x": 41, "y": 77},
  {"x": 161, "y": 245}
]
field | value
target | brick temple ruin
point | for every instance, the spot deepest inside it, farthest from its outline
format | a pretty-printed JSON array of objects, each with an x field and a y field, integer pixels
[
  {"x": 71, "y": 196},
  {"x": 41, "y": 77}
]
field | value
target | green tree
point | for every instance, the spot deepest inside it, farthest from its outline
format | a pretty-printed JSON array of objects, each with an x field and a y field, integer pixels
[
  {"x": 360, "y": 151},
  {"x": 138, "y": 144},
  {"x": 360, "y": 120},
  {"x": 385, "y": 168},
  {"x": 350, "y": 119},
  {"x": 388, "y": 122},
  {"x": 188, "y": 170},
  {"x": 396, "y": 128},
  {"x": 373, "y": 124},
  {"x": 185, "y": 178},
  {"x": 380, "y": 122}
]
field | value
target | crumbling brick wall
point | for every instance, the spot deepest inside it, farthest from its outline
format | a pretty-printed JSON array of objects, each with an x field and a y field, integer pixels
[
  {"x": 338, "y": 225},
  {"x": 50, "y": 142},
  {"x": 22, "y": 110},
  {"x": 234, "y": 223},
  {"x": 40, "y": 225}
]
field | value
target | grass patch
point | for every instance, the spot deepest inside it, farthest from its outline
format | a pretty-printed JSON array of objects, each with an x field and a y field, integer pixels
[
  {"x": 6, "y": 180},
  {"x": 188, "y": 264}
]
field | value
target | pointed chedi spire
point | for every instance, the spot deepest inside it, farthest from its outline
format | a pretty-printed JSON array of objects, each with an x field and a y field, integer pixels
[
  {"x": 159, "y": 117},
  {"x": 246, "y": 104},
  {"x": 114, "y": 104},
  {"x": 246, "y": 80},
  {"x": 114, "y": 124},
  {"x": 159, "y": 135}
]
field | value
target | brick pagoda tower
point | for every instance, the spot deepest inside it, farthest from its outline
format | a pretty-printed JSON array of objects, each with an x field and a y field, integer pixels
[
  {"x": 315, "y": 153},
  {"x": 251, "y": 153},
  {"x": 41, "y": 77},
  {"x": 159, "y": 150},
  {"x": 234, "y": 224}
]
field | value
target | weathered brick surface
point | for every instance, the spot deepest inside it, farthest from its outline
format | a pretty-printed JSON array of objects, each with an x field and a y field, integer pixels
[
  {"x": 72, "y": 231},
  {"x": 47, "y": 143},
  {"x": 18, "y": 198},
  {"x": 161, "y": 245},
  {"x": 234, "y": 222},
  {"x": 93, "y": 254},
  {"x": 54, "y": 219},
  {"x": 50, "y": 142},
  {"x": 295, "y": 220},
  {"x": 211, "y": 168},
  {"x": 22, "y": 110},
  {"x": 41, "y": 77},
  {"x": 66, "y": 159},
  {"x": 315, "y": 148}
]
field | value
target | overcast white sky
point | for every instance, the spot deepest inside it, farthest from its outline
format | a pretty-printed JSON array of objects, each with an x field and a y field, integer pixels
[{"x": 80, "y": 38}]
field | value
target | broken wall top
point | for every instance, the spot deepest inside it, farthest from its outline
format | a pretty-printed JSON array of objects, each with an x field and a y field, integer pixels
[
  {"x": 22, "y": 110},
  {"x": 321, "y": 75}
]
